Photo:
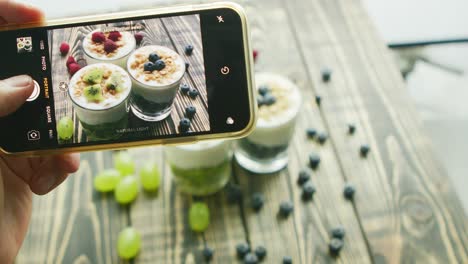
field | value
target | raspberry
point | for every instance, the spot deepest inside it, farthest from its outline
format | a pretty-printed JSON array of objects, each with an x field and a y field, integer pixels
[
  {"x": 73, "y": 68},
  {"x": 138, "y": 37},
  {"x": 98, "y": 37},
  {"x": 109, "y": 46},
  {"x": 70, "y": 60},
  {"x": 255, "y": 55},
  {"x": 64, "y": 48},
  {"x": 114, "y": 35}
]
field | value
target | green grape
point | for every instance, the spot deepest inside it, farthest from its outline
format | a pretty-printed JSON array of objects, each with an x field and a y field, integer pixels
[
  {"x": 199, "y": 216},
  {"x": 126, "y": 190},
  {"x": 150, "y": 177},
  {"x": 128, "y": 243},
  {"x": 107, "y": 180},
  {"x": 65, "y": 128},
  {"x": 124, "y": 163}
]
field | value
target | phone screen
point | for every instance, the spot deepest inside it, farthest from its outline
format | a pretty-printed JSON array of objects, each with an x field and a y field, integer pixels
[{"x": 129, "y": 79}]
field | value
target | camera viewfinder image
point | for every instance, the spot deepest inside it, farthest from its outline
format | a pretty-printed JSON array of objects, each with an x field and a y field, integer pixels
[{"x": 24, "y": 44}]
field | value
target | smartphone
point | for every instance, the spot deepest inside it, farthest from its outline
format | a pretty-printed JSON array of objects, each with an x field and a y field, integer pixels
[{"x": 161, "y": 76}]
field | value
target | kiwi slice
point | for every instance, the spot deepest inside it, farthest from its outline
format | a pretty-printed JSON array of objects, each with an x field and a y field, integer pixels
[
  {"x": 93, "y": 93},
  {"x": 115, "y": 82},
  {"x": 93, "y": 76}
]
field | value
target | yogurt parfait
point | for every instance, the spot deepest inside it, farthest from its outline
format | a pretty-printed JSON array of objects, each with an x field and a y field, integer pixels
[
  {"x": 100, "y": 93},
  {"x": 265, "y": 149},
  {"x": 156, "y": 73},
  {"x": 202, "y": 168},
  {"x": 112, "y": 47}
]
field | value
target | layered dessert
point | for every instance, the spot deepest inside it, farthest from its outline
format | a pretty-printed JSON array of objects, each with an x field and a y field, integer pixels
[
  {"x": 112, "y": 47},
  {"x": 156, "y": 73},
  {"x": 202, "y": 168},
  {"x": 279, "y": 102},
  {"x": 100, "y": 93}
]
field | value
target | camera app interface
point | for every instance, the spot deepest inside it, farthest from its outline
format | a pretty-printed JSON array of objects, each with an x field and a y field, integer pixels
[{"x": 108, "y": 82}]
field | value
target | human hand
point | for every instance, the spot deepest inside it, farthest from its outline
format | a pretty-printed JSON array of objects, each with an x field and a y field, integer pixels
[{"x": 21, "y": 176}]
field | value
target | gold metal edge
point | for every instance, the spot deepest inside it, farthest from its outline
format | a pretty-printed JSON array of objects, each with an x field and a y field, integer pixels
[{"x": 172, "y": 141}]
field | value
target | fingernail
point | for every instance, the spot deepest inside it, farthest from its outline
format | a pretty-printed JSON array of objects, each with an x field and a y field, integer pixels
[
  {"x": 46, "y": 183},
  {"x": 20, "y": 81}
]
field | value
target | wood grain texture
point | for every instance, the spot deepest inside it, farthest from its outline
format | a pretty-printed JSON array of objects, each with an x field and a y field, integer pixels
[
  {"x": 74, "y": 223},
  {"x": 404, "y": 211},
  {"x": 406, "y": 205}
]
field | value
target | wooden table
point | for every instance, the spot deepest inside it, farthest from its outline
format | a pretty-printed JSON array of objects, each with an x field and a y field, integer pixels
[{"x": 405, "y": 209}]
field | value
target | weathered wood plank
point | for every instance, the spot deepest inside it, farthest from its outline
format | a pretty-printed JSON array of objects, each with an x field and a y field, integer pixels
[
  {"x": 307, "y": 231},
  {"x": 407, "y": 206},
  {"x": 74, "y": 223},
  {"x": 163, "y": 221}
]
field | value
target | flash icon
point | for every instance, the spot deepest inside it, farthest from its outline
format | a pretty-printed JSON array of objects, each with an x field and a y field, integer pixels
[{"x": 229, "y": 121}]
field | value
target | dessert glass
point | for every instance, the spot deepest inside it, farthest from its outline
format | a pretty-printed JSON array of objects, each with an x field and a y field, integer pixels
[
  {"x": 95, "y": 53},
  {"x": 202, "y": 168},
  {"x": 265, "y": 149},
  {"x": 101, "y": 120},
  {"x": 154, "y": 92}
]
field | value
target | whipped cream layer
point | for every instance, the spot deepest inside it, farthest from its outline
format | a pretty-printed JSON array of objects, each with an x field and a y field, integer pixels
[{"x": 204, "y": 154}]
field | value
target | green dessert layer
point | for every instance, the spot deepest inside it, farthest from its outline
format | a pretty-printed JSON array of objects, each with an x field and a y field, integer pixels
[
  {"x": 202, "y": 181},
  {"x": 105, "y": 131}
]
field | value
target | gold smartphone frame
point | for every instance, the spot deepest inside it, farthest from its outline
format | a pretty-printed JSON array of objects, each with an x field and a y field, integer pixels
[{"x": 149, "y": 12}]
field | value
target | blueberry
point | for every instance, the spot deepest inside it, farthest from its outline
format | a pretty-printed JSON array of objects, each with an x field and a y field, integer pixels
[
  {"x": 184, "y": 125},
  {"x": 184, "y": 88},
  {"x": 153, "y": 57},
  {"x": 234, "y": 193},
  {"x": 261, "y": 252},
  {"x": 326, "y": 74},
  {"x": 148, "y": 66},
  {"x": 250, "y": 258},
  {"x": 187, "y": 65},
  {"x": 314, "y": 161},
  {"x": 190, "y": 111},
  {"x": 322, "y": 138},
  {"x": 286, "y": 209},
  {"x": 318, "y": 100},
  {"x": 257, "y": 201},
  {"x": 364, "y": 150},
  {"x": 311, "y": 132},
  {"x": 159, "y": 65},
  {"x": 189, "y": 49},
  {"x": 304, "y": 176},
  {"x": 287, "y": 260},
  {"x": 260, "y": 101},
  {"x": 308, "y": 191},
  {"x": 242, "y": 249},
  {"x": 349, "y": 191},
  {"x": 193, "y": 93},
  {"x": 351, "y": 129},
  {"x": 338, "y": 232},
  {"x": 263, "y": 90},
  {"x": 269, "y": 99},
  {"x": 208, "y": 253},
  {"x": 335, "y": 246}
]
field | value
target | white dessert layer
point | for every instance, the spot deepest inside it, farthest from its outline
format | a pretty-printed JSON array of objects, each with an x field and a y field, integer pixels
[
  {"x": 275, "y": 125},
  {"x": 127, "y": 37},
  {"x": 110, "y": 109},
  {"x": 200, "y": 155}
]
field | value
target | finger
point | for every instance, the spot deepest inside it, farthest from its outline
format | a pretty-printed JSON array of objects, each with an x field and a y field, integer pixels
[
  {"x": 52, "y": 172},
  {"x": 14, "y": 92},
  {"x": 17, "y": 13}
]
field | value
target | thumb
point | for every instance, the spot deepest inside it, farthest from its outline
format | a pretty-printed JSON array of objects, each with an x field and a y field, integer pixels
[{"x": 14, "y": 92}]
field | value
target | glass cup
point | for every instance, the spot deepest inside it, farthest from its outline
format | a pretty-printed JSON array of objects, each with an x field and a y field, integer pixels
[
  {"x": 103, "y": 118},
  {"x": 95, "y": 53},
  {"x": 154, "y": 92},
  {"x": 265, "y": 149},
  {"x": 202, "y": 168}
]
